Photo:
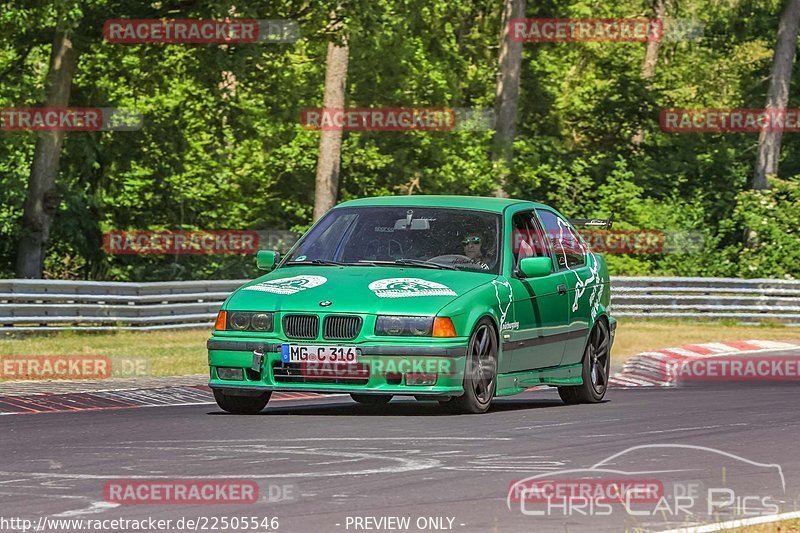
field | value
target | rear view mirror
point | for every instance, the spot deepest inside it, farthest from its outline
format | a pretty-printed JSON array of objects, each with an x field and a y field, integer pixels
[
  {"x": 536, "y": 267},
  {"x": 267, "y": 259},
  {"x": 416, "y": 224}
]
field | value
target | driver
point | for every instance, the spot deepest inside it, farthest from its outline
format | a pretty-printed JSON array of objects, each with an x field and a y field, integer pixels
[{"x": 472, "y": 249}]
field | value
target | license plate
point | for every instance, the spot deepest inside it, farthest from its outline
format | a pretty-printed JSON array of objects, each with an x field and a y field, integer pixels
[{"x": 306, "y": 353}]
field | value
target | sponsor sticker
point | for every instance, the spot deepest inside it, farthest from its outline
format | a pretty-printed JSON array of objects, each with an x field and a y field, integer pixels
[
  {"x": 408, "y": 288},
  {"x": 291, "y": 285}
]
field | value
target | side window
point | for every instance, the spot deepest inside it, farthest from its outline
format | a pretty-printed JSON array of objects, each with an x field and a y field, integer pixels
[
  {"x": 567, "y": 245},
  {"x": 526, "y": 239}
]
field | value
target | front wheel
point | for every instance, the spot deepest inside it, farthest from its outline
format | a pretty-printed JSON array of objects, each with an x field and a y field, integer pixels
[
  {"x": 371, "y": 399},
  {"x": 596, "y": 367},
  {"x": 241, "y": 405},
  {"x": 480, "y": 375}
]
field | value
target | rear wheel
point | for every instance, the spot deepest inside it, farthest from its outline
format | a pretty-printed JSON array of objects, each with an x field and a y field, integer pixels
[
  {"x": 596, "y": 367},
  {"x": 480, "y": 375},
  {"x": 371, "y": 399},
  {"x": 241, "y": 405}
]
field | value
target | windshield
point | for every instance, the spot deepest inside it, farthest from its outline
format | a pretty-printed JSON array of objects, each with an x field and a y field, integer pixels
[{"x": 460, "y": 239}]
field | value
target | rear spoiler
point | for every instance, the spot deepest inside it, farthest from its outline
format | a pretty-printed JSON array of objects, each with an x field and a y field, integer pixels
[{"x": 593, "y": 222}]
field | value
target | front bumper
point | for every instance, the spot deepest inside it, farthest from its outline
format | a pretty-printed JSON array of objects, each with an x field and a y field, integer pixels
[{"x": 387, "y": 366}]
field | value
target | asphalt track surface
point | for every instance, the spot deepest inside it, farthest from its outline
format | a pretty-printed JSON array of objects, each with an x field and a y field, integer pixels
[{"x": 338, "y": 461}]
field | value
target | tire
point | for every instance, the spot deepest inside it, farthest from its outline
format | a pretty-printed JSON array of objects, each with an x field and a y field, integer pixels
[
  {"x": 371, "y": 399},
  {"x": 241, "y": 405},
  {"x": 596, "y": 367},
  {"x": 480, "y": 374}
]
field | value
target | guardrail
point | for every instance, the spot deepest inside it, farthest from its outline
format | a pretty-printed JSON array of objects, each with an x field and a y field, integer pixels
[
  {"x": 744, "y": 300},
  {"x": 41, "y": 305}
]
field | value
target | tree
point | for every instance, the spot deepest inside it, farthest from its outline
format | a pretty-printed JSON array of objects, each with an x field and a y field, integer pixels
[
  {"x": 507, "y": 92},
  {"x": 330, "y": 142},
  {"x": 651, "y": 56},
  {"x": 42, "y": 199},
  {"x": 653, "y": 44},
  {"x": 769, "y": 142}
]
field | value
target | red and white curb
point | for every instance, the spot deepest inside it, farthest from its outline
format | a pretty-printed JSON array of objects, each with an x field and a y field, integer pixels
[
  {"x": 651, "y": 369},
  {"x": 122, "y": 399}
]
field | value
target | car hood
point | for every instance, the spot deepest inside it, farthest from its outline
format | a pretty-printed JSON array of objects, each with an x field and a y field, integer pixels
[{"x": 356, "y": 289}]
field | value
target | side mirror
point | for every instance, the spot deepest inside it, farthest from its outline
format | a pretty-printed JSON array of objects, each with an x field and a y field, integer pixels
[
  {"x": 536, "y": 267},
  {"x": 266, "y": 259}
]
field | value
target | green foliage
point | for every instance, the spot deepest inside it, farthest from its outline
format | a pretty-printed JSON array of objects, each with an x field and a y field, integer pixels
[
  {"x": 222, "y": 147},
  {"x": 770, "y": 223}
]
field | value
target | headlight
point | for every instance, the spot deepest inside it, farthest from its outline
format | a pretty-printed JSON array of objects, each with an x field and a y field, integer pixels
[
  {"x": 261, "y": 322},
  {"x": 413, "y": 326},
  {"x": 250, "y": 321},
  {"x": 240, "y": 321}
]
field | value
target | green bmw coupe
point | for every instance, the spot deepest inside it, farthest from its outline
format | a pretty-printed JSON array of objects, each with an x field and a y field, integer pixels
[{"x": 452, "y": 299}]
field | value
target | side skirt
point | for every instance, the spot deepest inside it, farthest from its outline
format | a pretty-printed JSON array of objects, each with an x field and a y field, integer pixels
[{"x": 516, "y": 382}]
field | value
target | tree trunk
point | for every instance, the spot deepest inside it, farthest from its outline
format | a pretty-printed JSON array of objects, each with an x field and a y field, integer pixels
[
  {"x": 330, "y": 142},
  {"x": 42, "y": 199},
  {"x": 651, "y": 51},
  {"x": 651, "y": 58},
  {"x": 769, "y": 142},
  {"x": 507, "y": 95}
]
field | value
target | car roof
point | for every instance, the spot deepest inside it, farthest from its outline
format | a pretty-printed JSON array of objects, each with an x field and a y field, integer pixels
[{"x": 485, "y": 203}]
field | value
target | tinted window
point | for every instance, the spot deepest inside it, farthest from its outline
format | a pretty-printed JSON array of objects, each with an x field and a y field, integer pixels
[
  {"x": 526, "y": 238},
  {"x": 567, "y": 245}
]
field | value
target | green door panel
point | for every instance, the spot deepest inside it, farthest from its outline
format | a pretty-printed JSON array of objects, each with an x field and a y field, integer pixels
[
  {"x": 581, "y": 284},
  {"x": 533, "y": 337},
  {"x": 538, "y": 312},
  {"x": 588, "y": 288}
]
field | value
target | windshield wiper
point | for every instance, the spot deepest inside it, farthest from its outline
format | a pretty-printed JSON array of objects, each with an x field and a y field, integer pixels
[
  {"x": 323, "y": 262},
  {"x": 424, "y": 264}
]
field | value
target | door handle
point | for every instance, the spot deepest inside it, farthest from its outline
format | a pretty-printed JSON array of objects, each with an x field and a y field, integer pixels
[{"x": 562, "y": 289}]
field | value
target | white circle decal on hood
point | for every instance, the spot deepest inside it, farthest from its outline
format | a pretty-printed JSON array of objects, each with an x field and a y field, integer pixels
[
  {"x": 288, "y": 285},
  {"x": 408, "y": 288}
]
